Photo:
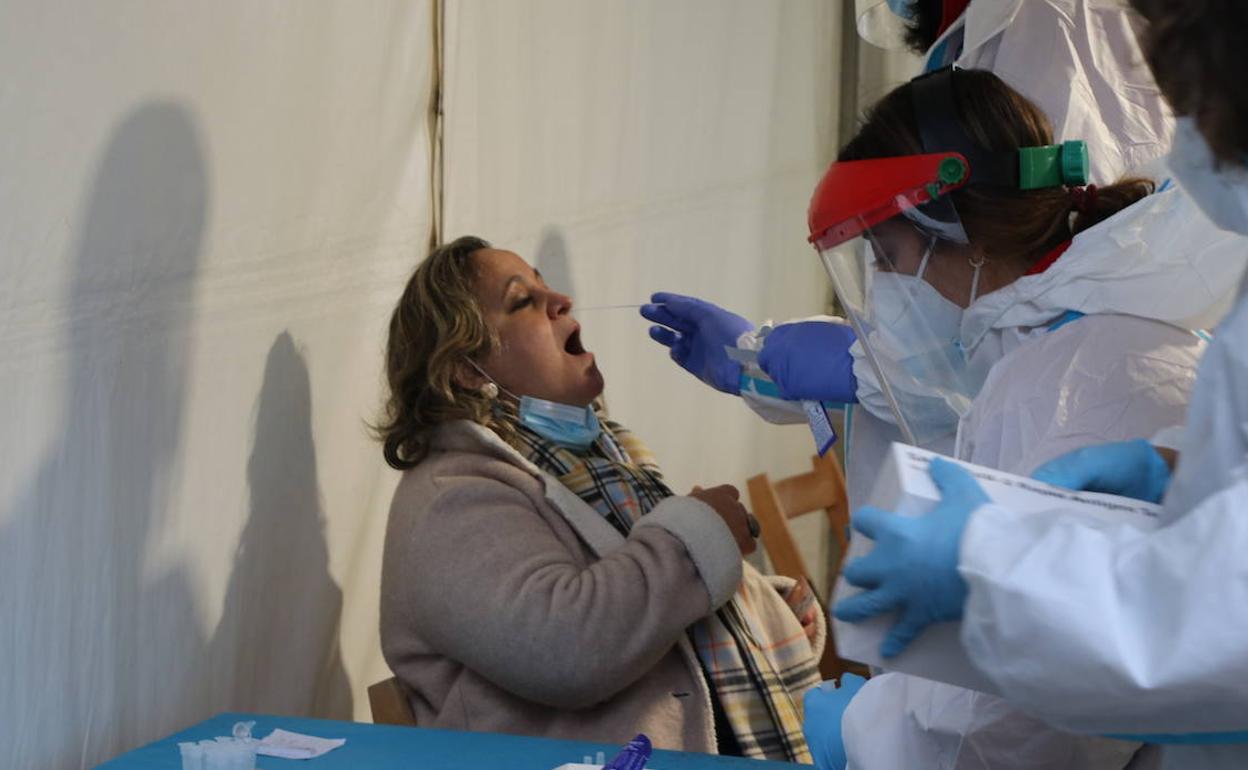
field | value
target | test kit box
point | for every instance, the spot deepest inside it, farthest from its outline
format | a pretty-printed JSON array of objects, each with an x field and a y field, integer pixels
[{"x": 905, "y": 486}]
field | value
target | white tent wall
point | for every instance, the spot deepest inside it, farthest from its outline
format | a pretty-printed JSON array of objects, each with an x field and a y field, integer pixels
[
  {"x": 628, "y": 147},
  {"x": 880, "y": 71},
  {"x": 206, "y": 212}
]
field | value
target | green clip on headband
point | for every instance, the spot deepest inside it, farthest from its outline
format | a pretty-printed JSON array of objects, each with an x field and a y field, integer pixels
[
  {"x": 1029, "y": 168},
  {"x": 1053, "y": 166}
]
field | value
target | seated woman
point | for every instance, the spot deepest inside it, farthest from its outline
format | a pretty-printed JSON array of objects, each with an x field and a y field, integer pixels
[{"x": 539, "y": 575}]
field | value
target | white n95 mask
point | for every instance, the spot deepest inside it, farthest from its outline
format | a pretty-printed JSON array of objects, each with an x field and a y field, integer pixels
[
  {"x": 916, "y": 343},
  {"x": 909, "y": 308}
]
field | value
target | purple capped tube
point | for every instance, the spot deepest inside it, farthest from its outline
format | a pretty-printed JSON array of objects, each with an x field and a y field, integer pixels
[{"x": 633, "y": 756}]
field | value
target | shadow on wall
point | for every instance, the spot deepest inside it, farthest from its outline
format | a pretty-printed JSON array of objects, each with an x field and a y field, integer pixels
[
  {"x": 551, "y": 260},
  {"x": 100, "y": 642},
  {"x": 279, "y": 631}
]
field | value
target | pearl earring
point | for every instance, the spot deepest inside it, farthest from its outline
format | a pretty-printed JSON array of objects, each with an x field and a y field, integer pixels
[{"x": 489, "y": 390}]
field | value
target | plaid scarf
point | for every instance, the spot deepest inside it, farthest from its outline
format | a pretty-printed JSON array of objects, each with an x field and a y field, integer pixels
[{"x": 758, "y": 680}]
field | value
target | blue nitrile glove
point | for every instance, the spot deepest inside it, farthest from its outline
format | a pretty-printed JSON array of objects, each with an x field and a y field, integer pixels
[
  {"x": 697, "y": 331},
  {"x": 823, "y": 707},
  {"x": 914, "y": 565},
  {"x": 1127, "y": 468},
  {"x": 810, "y": 361}
]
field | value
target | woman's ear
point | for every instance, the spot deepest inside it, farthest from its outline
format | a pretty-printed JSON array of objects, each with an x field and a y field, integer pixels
[{"x": 468, "y": 377}]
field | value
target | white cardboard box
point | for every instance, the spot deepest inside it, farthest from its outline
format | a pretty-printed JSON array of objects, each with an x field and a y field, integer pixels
[{"x": 905, "y": 486}]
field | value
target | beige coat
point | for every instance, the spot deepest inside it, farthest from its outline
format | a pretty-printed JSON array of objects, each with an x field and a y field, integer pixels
[{"x": 510, "y": 605}]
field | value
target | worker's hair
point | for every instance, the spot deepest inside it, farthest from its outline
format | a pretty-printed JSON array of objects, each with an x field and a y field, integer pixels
[
  {"x": 1195, "y": 49},
  {"x": 923, "y": 27},
  {"x": 1003, "y": 222},
  {"x": 436, "y": 329}
]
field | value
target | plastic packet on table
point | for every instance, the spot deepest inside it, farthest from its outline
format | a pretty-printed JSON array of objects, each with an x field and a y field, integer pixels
[
  {"x": 224, "y": 753},
  {"x": 755, "y": 382}
]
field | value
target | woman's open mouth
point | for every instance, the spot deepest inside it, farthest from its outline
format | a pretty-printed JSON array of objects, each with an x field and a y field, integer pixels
[{"x": 573, "y": 345}]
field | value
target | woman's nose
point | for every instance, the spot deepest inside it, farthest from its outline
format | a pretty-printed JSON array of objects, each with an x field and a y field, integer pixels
[{"x": 558, "y": 304}]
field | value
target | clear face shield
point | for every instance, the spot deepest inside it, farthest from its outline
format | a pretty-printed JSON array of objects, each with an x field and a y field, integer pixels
[{"x": 897, "y": 267}]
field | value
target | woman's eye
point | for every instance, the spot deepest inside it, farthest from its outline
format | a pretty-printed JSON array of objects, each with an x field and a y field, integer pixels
[{"x": 523, "y": 302}]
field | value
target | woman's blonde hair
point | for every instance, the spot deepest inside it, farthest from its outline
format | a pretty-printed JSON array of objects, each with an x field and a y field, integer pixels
[{"x": 437, "y": 328}]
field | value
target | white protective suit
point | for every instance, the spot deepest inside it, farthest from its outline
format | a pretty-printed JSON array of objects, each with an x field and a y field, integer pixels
[
  {"x": 1079, "y": 61},
  {"x": 1125, "y": 370},
  {"x": 1157, "y": 639}
]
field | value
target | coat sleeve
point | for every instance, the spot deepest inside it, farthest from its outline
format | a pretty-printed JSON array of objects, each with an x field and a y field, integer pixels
[{"x": 499, "y": 592}]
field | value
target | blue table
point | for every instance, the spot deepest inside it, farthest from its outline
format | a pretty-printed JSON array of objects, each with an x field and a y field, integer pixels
[{"x": 385, "y": 747}]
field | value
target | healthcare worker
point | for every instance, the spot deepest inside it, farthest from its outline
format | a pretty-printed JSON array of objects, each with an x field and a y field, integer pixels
[
  {"x": 993, "y": 293},
  {"x": 1108, "y": 629},
  {"x": 1078, "y": 60}
]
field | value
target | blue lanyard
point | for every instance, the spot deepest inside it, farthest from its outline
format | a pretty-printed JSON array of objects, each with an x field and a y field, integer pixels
[
  {"x": 1065, "y": 318},
  {"x": 946, "y": 51},
  {"x": 1075, "y": 315}
]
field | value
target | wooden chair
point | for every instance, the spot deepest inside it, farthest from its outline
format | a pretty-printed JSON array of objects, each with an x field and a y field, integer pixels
[
  {"x": 823, "y": 488},
  {"x": 388, "y": 701}
]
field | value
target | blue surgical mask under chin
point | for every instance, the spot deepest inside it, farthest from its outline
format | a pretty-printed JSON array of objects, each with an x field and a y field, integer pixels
[{"x": 573, "y": 427}]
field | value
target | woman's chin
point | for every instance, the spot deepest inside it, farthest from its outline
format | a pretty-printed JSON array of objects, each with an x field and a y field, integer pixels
[
  {"x": 594, "y": 383},
  {"x": 579, "y": 386}
]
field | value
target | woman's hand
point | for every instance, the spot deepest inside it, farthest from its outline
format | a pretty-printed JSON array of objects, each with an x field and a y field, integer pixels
[
  {"x": 801, "y": 599},
  {"x": 726, "y": 501}
]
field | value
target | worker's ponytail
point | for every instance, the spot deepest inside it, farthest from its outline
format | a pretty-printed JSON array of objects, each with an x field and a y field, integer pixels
[{"x": 1092, "y": 205}]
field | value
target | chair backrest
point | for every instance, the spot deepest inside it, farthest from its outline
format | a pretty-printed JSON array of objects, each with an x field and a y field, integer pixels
[
  {"x": 389, "y": 703},
  {"x": 774, "y": 503}
]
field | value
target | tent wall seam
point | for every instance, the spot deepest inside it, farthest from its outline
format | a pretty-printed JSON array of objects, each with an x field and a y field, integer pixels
[
  {"x": 847, "y": 105},
  {"x": 435, "y": 125}
]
